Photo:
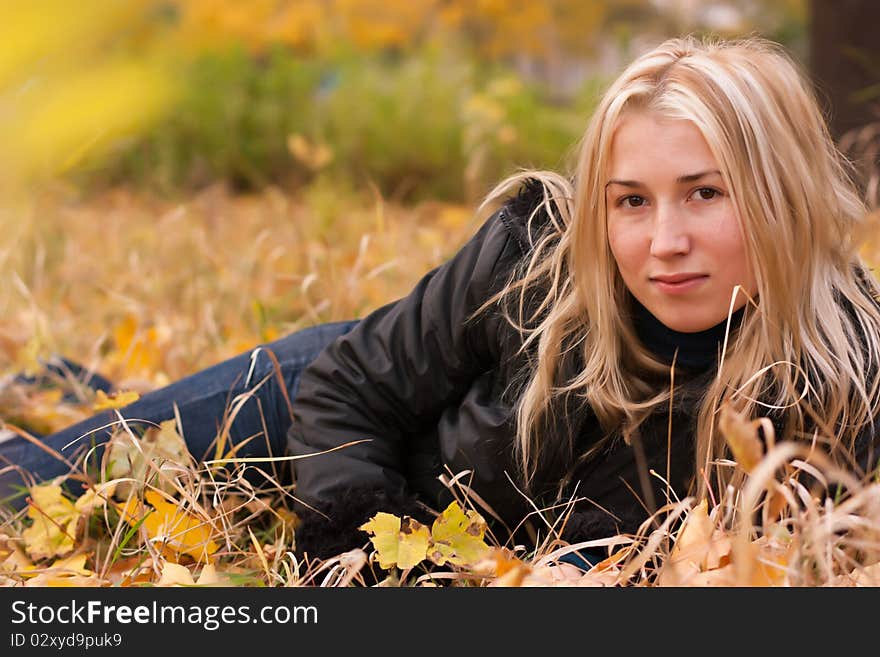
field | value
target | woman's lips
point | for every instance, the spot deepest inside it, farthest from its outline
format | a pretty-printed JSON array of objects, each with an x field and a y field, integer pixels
[{"x": 680, "y": 287}]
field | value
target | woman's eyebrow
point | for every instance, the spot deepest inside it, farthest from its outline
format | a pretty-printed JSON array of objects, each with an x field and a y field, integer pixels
[
  {"x": 625, "y": 183},
  {"x": 689, "y": 178},
  {"x": 693, "y": 177}
]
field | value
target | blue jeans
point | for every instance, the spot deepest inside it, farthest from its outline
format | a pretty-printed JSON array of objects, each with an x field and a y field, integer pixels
[{"x": 201, "y": 400}]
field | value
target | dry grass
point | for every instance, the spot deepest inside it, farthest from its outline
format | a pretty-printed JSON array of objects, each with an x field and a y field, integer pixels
[{"x": 146, "y": 292}]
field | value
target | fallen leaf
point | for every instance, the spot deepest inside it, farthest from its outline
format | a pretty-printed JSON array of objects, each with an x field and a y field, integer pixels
[
  {"x": 16, "y": 562},
  {"x": 171, "y": 528},
  {"x": 210, "y": 577},
  {"x": 54, "y": 523},
  {"x": 457, "y": 537},
  {"x": 74, "y": 564},
  {"x": 174, "y": 574},
  {"x": 104, "y": 402},
  {"x": 403, "y": 543},
  {"x": 384, "y": 531}
]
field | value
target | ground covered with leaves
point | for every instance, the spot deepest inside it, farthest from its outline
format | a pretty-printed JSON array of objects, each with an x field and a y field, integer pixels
[{"x": 145, "y": 292}]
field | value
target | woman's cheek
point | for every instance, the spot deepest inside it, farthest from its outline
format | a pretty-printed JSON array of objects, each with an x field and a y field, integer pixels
[{"x": 625, "y": 249}]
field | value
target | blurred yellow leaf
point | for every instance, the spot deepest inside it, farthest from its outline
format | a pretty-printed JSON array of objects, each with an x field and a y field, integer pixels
[
  {"x": 159, "y": 450},
  {"x": 75, "y": 564},
  {"x": 33, "y": 30},
  {"x": 54, "y": 523},
  {"x": 457, "y": 537},
  {"x": 742, "y": 437},
  {"x": 139, "y": 350},
  {"x": 210, "y": 577},
  {"x": 172, "y": 529},
  {"x": 104, "y": 402},
  {"x": 70, "y": 571},
  {"x": 313, "y": 155},
  {"x": 174, "y": 574},
  {"x": 15, "y": 561}
]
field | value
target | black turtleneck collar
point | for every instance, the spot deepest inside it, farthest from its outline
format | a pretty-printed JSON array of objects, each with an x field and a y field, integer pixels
[{"x": 697, "y": 351}]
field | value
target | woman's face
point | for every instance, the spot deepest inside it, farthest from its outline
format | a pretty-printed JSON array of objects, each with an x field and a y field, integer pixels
[{"x": 672, "y": 226}]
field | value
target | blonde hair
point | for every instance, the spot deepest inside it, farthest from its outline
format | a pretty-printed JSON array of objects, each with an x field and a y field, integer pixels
[{"x": 796, "y": 351}]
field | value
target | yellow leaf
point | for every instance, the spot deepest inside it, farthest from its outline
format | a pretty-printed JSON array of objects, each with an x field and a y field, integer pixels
[
  {"x": 15, "y": 562},
  {"x": 54, "y": 523},
  {"x": 413, "y": 546},
  {"x": 742, "y": 437},
  {"x": 457, "y": 537},
  {"x": 384, "y": 531},
  {"x": 403, "y": 543},
  {"x": 210, "y": 577},
  {"x": 75, "y": 564},
  {"x": 173, "y": 530},
  {"x": 105, "y": 402},
  {"x": 175, "y": 575},
  {"x": 54, "y": 579}
]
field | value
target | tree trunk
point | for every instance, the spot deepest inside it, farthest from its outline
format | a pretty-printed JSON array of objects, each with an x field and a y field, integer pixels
[{"x": 845, "y": 60}]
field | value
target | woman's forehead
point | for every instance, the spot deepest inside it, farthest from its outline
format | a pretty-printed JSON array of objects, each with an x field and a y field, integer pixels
[{"x": 646, "y": 143}]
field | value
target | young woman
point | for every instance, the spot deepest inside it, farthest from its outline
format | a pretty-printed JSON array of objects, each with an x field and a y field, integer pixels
[{"x": 580, "y": 345}]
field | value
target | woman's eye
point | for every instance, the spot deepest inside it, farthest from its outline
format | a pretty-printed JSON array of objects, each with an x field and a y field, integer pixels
[
  {"x": 705, "y": 193},
  {"x": 632, "y": 201}
]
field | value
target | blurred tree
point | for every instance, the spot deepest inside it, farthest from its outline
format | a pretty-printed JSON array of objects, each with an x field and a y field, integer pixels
[{"x": 845, "y": 60}]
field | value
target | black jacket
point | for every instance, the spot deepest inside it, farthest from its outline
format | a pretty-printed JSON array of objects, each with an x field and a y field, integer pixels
[{"x": 429, "y": 393}]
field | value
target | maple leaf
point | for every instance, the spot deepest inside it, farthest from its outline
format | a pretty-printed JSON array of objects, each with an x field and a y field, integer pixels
[
  {"x": 173, "y": 530},
  {"x": 403, "y": 543},
  {"x": 457, "y": 537},
  {"x": 104, "y": 402},
  {"x": 54, "y": 523}
]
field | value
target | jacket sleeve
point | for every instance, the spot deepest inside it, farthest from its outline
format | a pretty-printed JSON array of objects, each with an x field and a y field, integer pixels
[{"x": 391, "y": 376}]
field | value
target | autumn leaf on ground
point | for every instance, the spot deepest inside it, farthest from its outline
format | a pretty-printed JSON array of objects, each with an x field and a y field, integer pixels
[
  {"x": 403, "y": 543},
  {"x": 70, "y": 571},
  {"x": 54, "y": 523},
  {"x": 172, "y": 529},
  {"x": 13, "y": 561},
  {"x": 457, "y": 537},
  {"x": 159, "y": 449},
  {"x": 104, "y": 402}
]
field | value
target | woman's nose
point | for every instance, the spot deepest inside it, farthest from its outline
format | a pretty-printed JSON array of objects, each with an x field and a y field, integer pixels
[{"x": 670, "y": 235}]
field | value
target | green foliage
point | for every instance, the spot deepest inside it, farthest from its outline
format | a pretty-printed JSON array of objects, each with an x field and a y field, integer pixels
[
  {"x": 231, "y": 123},
  {"x": 430, "y": 124}
]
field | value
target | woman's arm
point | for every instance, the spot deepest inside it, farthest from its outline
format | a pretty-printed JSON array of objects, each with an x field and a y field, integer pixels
[{"x": 388, "y": 379}]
